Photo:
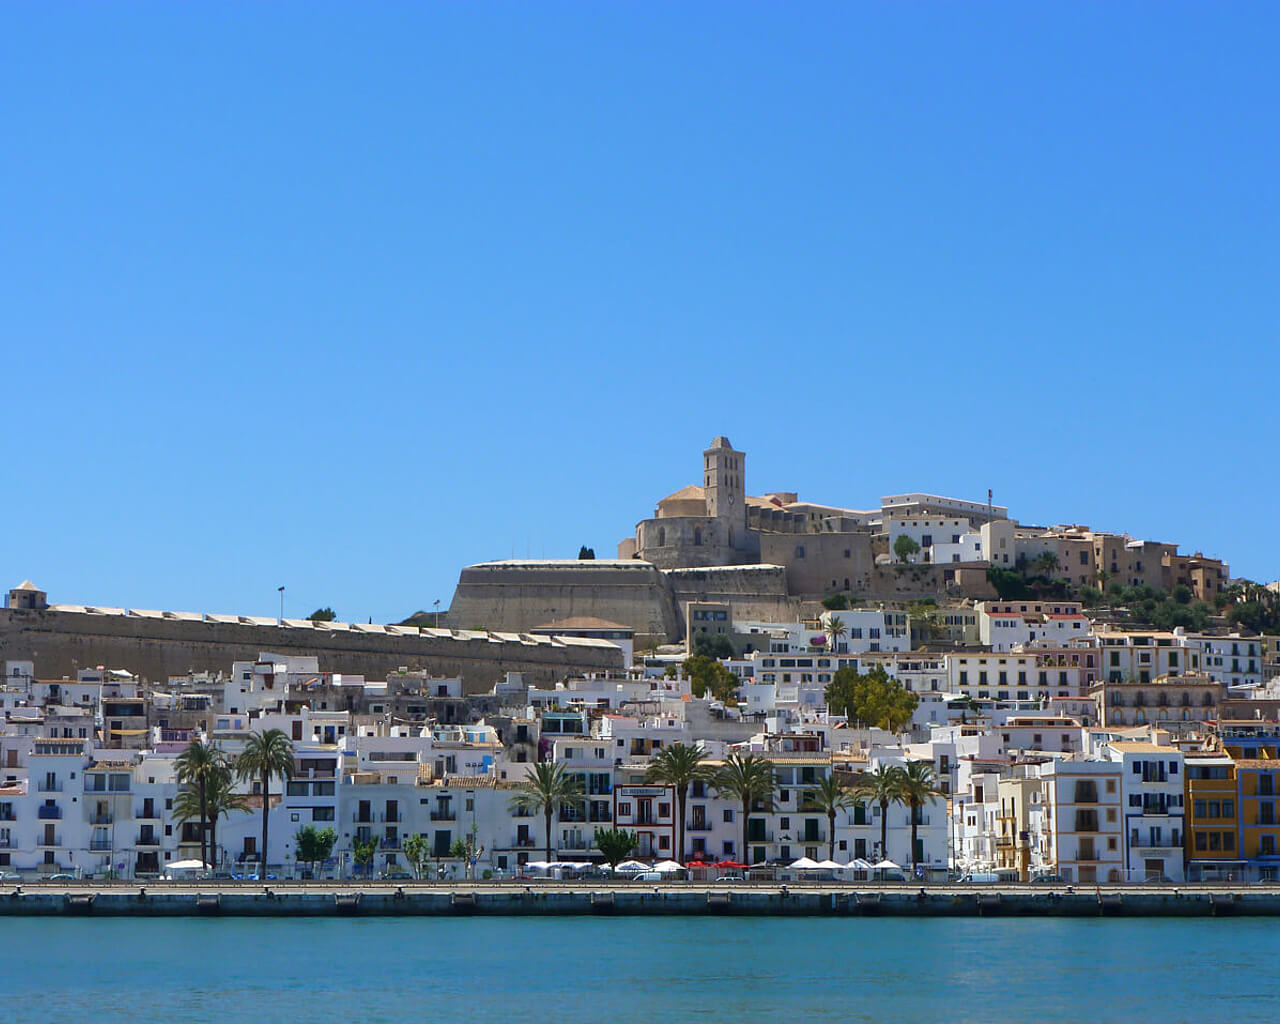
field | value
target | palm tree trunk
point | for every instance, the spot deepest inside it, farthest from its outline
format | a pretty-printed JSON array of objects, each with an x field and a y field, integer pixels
[
  {"x": 913, "y": 833},
  {"x": 683, "y": 797},
  {"x": 546, "y": 814},
  {"x": 746, "y": 809},
  {"x": 213, "y": 841},
  {"x": 831, "y": 834},
  {"x": 204, "y": 827},
  {"x": 884, "y": 829},
  {"x": 266, "y": 806}
]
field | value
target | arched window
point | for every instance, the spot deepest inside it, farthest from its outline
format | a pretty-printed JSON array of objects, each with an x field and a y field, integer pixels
[
  {"x": 662, "y": 536},
  {"x": 846, "y": 583},
  {"x": 697, "y": 535}
]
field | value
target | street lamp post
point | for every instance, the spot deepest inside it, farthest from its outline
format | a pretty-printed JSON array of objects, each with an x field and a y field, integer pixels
[{"x": 280, "y": 621}]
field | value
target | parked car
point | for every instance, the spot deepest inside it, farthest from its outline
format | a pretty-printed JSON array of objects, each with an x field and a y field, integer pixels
[
  {"x": 10, "y": 876},
  {"x": 1047, "y": 878},
  {"x": 62, "y": 876},
  {"x": 648, "y": 876}
]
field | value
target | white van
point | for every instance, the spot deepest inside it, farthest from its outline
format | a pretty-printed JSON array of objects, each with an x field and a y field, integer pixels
[{"x": 1001, "y": 876}]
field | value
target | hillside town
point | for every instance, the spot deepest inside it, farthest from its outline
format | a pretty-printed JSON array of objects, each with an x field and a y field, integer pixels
[{"x": 1024, "y": 739}]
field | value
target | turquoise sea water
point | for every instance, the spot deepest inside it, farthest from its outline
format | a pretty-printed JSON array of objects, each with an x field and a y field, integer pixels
[{"x": 616, "y": 970}]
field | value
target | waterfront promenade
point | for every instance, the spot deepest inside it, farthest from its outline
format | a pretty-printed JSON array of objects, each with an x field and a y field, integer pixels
[{"x": 554, "y": 898}]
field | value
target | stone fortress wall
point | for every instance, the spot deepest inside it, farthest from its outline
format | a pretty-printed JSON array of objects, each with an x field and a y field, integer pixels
[{"x": 154, "y": 647}]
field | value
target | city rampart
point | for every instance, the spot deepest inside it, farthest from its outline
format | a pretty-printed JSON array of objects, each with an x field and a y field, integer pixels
[{"x": 155, "y": 647}]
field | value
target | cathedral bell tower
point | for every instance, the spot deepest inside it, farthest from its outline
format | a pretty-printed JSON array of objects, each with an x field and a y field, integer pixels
[{"x": 723, "y": 474}]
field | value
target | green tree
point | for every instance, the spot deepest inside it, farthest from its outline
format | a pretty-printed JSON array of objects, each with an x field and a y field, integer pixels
[
  {"x": 917, "y": 787},
  {"x": 363, "y": 852},
  {"x": 313, "y": 846},
  {"x": 218, "y": 800},
  {"x": 872, "y": 699},
  {"x": 712, "y": 645},
  {"x": 835, "y": 630},
  {"x": 467, "y": 849},
  {"x": 905, "y": 548},
  {"x": 193, "y": 767},
  {"x": 547, "y": 785},
  {"x": 325, "y": 614},
  {"x": 221, "y": 798},
  {"x": 706, "y": 675},
  {"x": 749, "y": 780},
  {"x": 829, "y": 797},
  {"x": 586, "y": 554},
  {"x": 417, "y": 851},
  {"x": 1010, "y": 585},
  {"x": 615, "y": 844},
  {"x": 884, "y": 787},
  {"x": 1046, "y": 563},
  {"x": 266, "y": 755},
  {"x": 835, "y": 602},
  {"x": 678, "y": 766}
]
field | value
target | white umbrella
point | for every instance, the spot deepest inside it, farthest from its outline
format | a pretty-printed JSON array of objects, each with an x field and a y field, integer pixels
[
  {"x": 829, "y": 865},
  {"x": 804, "y": 863},
  {"x": 668, "y": 867},
  {"x": 187, "y": 865},
  {"x": 859, "y": 864},
  {"x": 887, "y": 864},
  {"x": 633, "y": 865},
  {"x": 539, "y": 865}
]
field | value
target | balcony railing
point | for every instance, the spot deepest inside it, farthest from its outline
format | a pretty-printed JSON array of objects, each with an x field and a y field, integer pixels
[
  {"x": 444, "y": 815},
  {"x": 390, "y": 842},
  {"x": 148, "y": 840},
  {"x": 50, "y": 787},
  {"x": 101, "y": 819},
  {"x": 100, "y": 845},
  {"x": 49, "y": 813},
  {"x": 6, "y": 844},
  {"x": 49, "y": 840}
]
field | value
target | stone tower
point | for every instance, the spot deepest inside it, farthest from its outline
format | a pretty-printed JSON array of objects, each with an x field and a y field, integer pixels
[{"x": 723, "y": 473}]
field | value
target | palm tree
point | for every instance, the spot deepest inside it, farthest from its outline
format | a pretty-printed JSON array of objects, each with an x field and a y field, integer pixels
[
  {"x": 218, "y": 799},
  {"x": 1046, "y": 562},
  {"x": 221, "y": 799},
  {"x": 266, "y": 754},
  {"x": 749, "y": 779},
  {"x": 884, "y": 787},
  {"x": 194, "y": 767},
  {"x": 678, "y": 766},
  {"x": 829, "y": 797},
  {"x": 835, "y": 628},
  {"x": 546, "y": 787},
  {"x": 918, "y": 786}
]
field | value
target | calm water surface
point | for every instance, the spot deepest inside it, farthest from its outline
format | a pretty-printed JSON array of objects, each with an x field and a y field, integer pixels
[{"x": 564, "y": 971}]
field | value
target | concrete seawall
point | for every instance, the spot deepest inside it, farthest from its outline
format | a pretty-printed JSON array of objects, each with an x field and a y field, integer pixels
[{"x": 560, "y": 899}]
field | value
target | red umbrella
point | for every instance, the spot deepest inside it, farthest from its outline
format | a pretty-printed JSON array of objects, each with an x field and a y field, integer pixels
[
  {"x": 730, "y": 864},
  {"x": 697, "y": 864}
]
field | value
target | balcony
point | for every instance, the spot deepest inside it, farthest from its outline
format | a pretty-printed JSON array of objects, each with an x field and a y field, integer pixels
[
  {"x": 390, "y": 843},
  {"x": 8, "y": 815},
  {"x": 146, "y": 814},
  {"x": 49, "y": 840},
  {"x": 100, "y": 845},
  {"x": 49, "y": 813},
  {"x": 49, "y": 786},
  {"x": 101, "y": 819},
  {"x": 444, "y": 815},
  {"x": 148, "y": 840},
  {"x": 700, "y": 827},
  {"x": 6, "y": 844}
]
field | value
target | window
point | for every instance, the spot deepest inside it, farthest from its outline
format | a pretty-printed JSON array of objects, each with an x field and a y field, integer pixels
[{"x": 728, "y": 815}]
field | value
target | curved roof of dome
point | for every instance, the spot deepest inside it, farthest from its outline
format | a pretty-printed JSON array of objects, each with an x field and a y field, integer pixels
[{"x": 691, "y": 493}]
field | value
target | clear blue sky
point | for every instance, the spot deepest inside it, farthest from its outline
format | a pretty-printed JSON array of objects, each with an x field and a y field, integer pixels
[{"x": 347, "y": 296}]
